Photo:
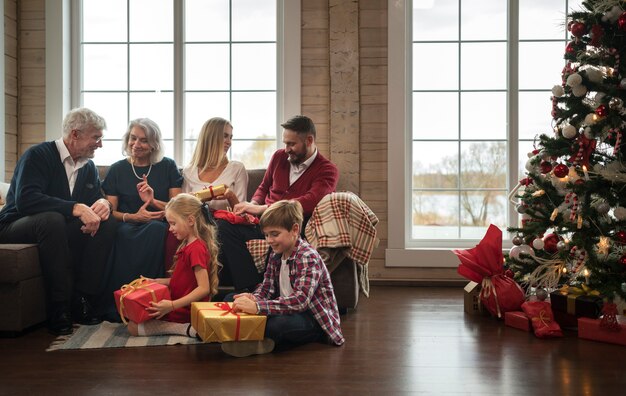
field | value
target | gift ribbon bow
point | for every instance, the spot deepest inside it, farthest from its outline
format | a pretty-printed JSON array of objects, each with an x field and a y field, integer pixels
[
  {"x": 228, "y": 309},
  {"x": 572, "y": 293},
  {"x": 137, "y": 284},
  {"x": 485, "y": 292},
  {"x": 583, "y": 290},
  {"x": 543, "y": 318}
]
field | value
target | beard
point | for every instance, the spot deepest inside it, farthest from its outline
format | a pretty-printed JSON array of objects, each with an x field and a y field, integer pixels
[{"x": 296, "y": 158}]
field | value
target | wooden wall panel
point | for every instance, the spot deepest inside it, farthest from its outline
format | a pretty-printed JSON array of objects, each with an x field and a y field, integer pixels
[{"x": 11, "y": 89}]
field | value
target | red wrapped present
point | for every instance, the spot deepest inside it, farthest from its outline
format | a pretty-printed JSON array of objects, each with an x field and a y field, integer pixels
[
  {"x": 484, "y": 264},
  {"x": 133, "y": 299},
  {"x": 590, "y": 329},
  {"x": 517, "y": 319},
  {"x": 540, "y": 314}
]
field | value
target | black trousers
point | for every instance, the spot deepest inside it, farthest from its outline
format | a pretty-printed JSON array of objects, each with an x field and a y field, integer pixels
[
  {"x": 71, "y": 262},
  {"x": 238, "y": 266}
]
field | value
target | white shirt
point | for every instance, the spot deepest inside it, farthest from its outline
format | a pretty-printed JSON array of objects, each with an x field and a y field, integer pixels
[
  {"x": 283, "y": 280},
  {"x": 71, "y": 167},
  {"x": 295, "y": 171},
  {"x": 234, "y": 176}
]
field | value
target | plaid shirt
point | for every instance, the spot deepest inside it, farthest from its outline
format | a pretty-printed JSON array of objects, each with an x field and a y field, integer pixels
[{"x": 312, "y": 290}]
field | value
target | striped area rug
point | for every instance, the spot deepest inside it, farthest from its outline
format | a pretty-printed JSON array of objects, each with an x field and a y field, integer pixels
[{"x": 112, "y": 335}]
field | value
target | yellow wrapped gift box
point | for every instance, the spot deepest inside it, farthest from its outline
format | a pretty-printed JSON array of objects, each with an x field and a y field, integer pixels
[{"x": 216, "y": 322}]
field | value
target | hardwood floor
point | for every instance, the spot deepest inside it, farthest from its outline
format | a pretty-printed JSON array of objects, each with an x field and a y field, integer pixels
[{"x": 401, "y": 340}]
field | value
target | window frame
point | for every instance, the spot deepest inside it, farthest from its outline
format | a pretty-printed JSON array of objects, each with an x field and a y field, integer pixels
[
  {"x": 402, "y": 250},
  {"x": 63, "y": 60}
]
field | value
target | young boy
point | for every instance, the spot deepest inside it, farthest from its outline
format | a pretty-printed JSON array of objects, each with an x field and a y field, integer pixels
[{"x": 296, "y": 292}]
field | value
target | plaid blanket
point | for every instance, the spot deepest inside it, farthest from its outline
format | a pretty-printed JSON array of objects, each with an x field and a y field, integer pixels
[{"x": 342, "y": 220}]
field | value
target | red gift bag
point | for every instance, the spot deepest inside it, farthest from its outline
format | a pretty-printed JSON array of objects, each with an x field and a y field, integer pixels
[
  {"x": 540, "y": 314},
  {"x": 484, "y": 264}
]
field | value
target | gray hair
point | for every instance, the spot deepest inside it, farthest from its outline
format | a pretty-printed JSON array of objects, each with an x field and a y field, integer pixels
[
  {"x": 153, "y": 134},
  {"x": 81, "y": 118}
]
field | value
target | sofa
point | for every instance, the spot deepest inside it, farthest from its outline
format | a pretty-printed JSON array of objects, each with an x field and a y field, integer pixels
[{"x": 22, "y": 288}]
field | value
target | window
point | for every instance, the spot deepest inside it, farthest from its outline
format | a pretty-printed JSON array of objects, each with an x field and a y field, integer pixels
[
  {"x": 474, "y": 92},
  {"x": 183, "y": 62}
]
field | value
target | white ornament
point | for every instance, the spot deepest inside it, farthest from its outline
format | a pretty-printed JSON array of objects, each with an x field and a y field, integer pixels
[
  {"x": 569, "y": 132},
  {"x": 530, "y": 166},
  {"x": 574, "y": 80},
  {"x": 594, "y": 75},
  {"x": 588, "y": 133},
  {"x": 622, "y": 83},
  {"x": 620, "y": 213},
  {"x": 579, "y": 90},
  {"x": 558, "y": 91},
  {"x": 538, "y": 243},
  {"x": 514, "y": 252},
  {"x": 527, "y": 250}
]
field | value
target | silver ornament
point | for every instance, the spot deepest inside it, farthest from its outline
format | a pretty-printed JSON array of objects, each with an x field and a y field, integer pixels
[
  {"x": 517, "y": 240},
  {"x": 521, "y": 209},
  {"x": 561, "y": 246},
  {"x": 624, "y": 287},
  {"x": 526, "y": 250},
  {"x": 616, "y": 104},
  {"x": 542, "y": 294},
  {"x": 603, "y": 208},
  {"x": 538, "y": 244},
  {"x": 514, "y": 252}
]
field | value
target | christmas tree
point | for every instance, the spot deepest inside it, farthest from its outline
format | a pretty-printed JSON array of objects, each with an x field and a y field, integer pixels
[{"x": 573, "y": 198}]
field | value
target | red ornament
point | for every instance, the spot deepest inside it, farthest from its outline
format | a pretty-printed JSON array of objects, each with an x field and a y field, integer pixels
[
  {"x": 570, "y": 48},
  {"x": 578, "y": 29},
  {"x": 545, "y": 166},
  {"x": 601, "y": 110},
  {"x": 561, "y": 170},
  {"x": 621, "y": 21},
  {"x": 526, "y": 181},
  {"x": 549, "y": 243},
  {"x": 622, "y": 260},
  {"x": 620, "y": 236},
  {"x": 579, "y": 182},
  {"x": 596, "y": 35}
]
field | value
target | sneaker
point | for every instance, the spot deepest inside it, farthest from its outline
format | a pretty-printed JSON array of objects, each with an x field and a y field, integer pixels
[{"x": 247, "y": 348}]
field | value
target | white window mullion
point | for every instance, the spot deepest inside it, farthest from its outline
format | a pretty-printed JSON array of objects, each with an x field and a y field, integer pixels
[{"x": 179, "y": 81}]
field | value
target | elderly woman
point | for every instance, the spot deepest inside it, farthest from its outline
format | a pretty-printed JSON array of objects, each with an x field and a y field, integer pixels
[
  {"x": 210, "y": 166},
  {"x": 138, "y": 187}
]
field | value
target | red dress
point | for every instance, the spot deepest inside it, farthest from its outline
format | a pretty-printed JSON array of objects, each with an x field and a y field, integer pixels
[{"x": 183, "y": 279}]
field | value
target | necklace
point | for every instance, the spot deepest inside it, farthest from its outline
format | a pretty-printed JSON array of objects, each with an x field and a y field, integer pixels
[{"x": 132, "y": 165}]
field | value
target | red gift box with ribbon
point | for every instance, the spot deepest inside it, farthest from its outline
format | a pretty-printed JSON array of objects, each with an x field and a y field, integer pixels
[
  {"x": 133, "y": 299},
  {"x": 217, "y": 322},
  {"x": 517, "y": 319},
  {"x": 592, "y": 329},
  {"x": 484, "y": 264}
]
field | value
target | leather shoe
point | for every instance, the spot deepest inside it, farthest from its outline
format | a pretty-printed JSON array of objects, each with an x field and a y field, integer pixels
[
  {"x": 60, "y": 324},
  {"x": 83, "y": 313}
]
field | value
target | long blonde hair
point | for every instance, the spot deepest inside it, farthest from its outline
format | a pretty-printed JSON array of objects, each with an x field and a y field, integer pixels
[
  {"x": 185, "y": 205},
  {"x": 209, "y": 151}
]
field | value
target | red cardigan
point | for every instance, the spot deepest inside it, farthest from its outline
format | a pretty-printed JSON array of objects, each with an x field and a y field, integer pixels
[{"x": 319, "y": 179}]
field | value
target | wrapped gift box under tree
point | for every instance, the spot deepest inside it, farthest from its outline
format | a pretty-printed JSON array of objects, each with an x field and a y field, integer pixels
[
  {"x": 592, "y": 329},
  {"x": 571, "y": 303}
]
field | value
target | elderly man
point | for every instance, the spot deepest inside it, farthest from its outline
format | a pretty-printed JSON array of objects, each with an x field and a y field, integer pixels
[{"x": 55, "y": 201}]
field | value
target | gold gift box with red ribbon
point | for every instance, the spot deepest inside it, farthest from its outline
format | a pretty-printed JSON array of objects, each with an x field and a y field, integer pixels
[
  {"x": 133, "y": 299},
  {"x": 216, "y": 322},
  {"x": 211, "y": 192}
]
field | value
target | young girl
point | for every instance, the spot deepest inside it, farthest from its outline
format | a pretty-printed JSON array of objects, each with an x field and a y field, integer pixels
[{"x": 194, "y": 275}]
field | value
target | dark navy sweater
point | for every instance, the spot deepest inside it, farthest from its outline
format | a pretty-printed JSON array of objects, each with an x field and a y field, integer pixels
[{"x": 39, "y": 184}]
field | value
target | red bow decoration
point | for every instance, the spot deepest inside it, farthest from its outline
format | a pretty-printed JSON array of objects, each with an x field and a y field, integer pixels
[
  {"x": 586, "y": 146},
  {"x": 232, "y": 218},
  {"x": 484, "y": 264}
]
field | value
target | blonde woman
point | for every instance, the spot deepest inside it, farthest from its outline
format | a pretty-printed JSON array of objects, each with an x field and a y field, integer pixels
[{"x": 210, "y": 166}]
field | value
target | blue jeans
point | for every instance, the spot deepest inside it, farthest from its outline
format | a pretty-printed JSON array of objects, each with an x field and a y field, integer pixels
[{"x": 290, "y": 330}]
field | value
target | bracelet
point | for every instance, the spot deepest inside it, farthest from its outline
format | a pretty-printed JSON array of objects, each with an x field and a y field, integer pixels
[{"x": 124, "y": 217}]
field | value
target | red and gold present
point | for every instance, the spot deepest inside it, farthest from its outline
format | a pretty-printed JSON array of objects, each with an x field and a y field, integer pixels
[
  {"x": 517, "y": 319},
  {"x": 216, "y": 322},
  {"x": 211, "y": 192},
  {"x": 133, "y": 299},
  {"x": 590, "y": 329}
]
